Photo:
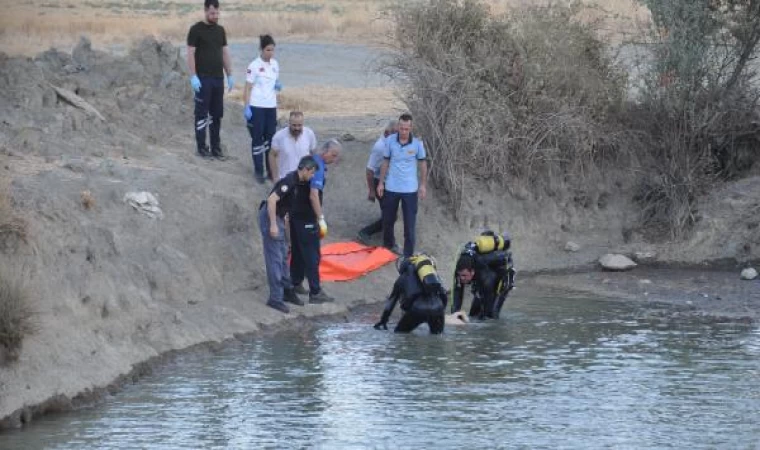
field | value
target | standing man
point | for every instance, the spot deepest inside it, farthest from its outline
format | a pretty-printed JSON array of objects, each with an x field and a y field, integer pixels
[
  {"x": 208, "y": 59},
  {"x": 308, "y": 226},
  {"x": 400, "y": 182},
  {"x": 291, "y": 144},
  {"x": 373, "y": 177},
  {"x": 272, "y": 213}
]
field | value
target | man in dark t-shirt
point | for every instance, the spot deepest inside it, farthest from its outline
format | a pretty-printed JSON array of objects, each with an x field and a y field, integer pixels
[
  {"x": 272, "y": 214},
  {"x": 207, "y": 60}
]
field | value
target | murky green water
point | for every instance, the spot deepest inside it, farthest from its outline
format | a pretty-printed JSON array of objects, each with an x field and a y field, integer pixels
[{"x": 554, "y": 373}]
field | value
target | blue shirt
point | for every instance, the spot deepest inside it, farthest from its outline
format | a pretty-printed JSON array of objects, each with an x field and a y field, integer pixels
[
  {"x": 402, "y": 167},
  {"x": 376, "y": 157},
  {"x": 318, "y": 180}
]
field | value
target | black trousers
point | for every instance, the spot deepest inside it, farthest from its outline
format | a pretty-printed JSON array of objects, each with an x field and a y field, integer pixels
[
  {"x": 376, "y": 226},
  {"x": 209, "y": 110},
  {"x": 262, "y": 127},
  {"x": 304, "y": 253}
]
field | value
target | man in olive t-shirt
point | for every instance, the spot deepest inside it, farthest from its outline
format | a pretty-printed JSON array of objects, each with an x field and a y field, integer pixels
[{"x": 208, "y": 59}]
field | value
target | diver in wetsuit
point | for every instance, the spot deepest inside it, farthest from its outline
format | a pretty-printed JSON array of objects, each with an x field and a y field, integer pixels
[
  {"x": 423, "y": 298},
  {"x": 485, "y": 264}
]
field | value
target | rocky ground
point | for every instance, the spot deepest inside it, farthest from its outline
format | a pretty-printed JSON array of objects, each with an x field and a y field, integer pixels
[
  {"x": 115, "y": 288},
  {"x": 719, "y": 295}
]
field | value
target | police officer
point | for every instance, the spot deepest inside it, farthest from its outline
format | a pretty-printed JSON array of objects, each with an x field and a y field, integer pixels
[
  {"x": 485, "y": 264},
  {"x": 423, "y": 298},
  {"x": 308, "y": 226},
  {"x": 272, "y": 214}
]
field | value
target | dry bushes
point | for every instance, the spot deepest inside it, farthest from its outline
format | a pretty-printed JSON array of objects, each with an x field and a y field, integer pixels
[
  {"x": 522, "y": 98},
  {"x": 698, "y": 113},
  {"x": 17, "y": 317},
  {"x": 16, "y": 314},
  {"x": 534, "y": 98}
]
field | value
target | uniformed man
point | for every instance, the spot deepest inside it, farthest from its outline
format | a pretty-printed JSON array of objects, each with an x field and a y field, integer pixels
[{"x": 272, "y": 216}]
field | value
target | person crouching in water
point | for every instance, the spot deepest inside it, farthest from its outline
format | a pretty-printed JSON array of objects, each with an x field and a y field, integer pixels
[
  {"x": 486, "y": 264},
  {"x": 422, "y": 295}
]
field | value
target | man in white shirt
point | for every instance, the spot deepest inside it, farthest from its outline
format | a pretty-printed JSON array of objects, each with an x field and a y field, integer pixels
[{"x": 291, "y": 144}]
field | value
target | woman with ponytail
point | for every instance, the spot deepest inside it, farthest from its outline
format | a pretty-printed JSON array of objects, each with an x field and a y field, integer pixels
[{"x": 260, "y": 94}]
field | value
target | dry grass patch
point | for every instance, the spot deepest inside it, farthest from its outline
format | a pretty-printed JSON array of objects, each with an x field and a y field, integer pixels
[
  {"x": 11, "y": 226},
  {"x": 31, "y": 28},
  {"x": 337, "y": 102},
  {"x": 28, "y": 28},
  {"x": 330, "y": 101},
  {"x": 88, "y": 201},
  {"x": 17, "y": 316}
]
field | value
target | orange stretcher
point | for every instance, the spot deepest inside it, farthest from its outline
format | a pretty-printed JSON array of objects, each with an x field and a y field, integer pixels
[{"x": 345, "y": 261}]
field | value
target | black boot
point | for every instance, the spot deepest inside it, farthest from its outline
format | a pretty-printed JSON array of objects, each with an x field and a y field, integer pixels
[
  {"x": 291, "y": 297},
  {"x": 203, "y": 152},
  {"x": 217, "y": 153}
]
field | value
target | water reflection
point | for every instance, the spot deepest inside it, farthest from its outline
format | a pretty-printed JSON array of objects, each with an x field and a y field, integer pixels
[{"x": 555, "y": 372}]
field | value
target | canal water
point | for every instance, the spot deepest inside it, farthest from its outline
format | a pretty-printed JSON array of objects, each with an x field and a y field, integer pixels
[{"x": 554, "y": 372}]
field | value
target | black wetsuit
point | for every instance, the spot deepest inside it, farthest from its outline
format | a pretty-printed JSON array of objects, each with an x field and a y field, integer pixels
[
  {"x": 418, "y": 305},
  {"x": 494, "y": 278}
]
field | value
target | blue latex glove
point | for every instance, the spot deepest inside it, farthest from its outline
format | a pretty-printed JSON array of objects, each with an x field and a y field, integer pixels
[
  {"x": 195, "y": 82},
  {"x": 277, "y": 86},
  {"x": 248, "y": 113},
  {"x": 230, "y": 83}
]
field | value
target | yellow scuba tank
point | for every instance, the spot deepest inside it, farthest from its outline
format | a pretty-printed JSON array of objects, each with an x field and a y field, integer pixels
[
  {"x": 424, "y": 267},
  {"x": 487, "y": 243}
]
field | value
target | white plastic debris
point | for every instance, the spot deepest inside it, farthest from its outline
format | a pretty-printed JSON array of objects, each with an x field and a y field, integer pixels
[{"x": 145, "y": 202}]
